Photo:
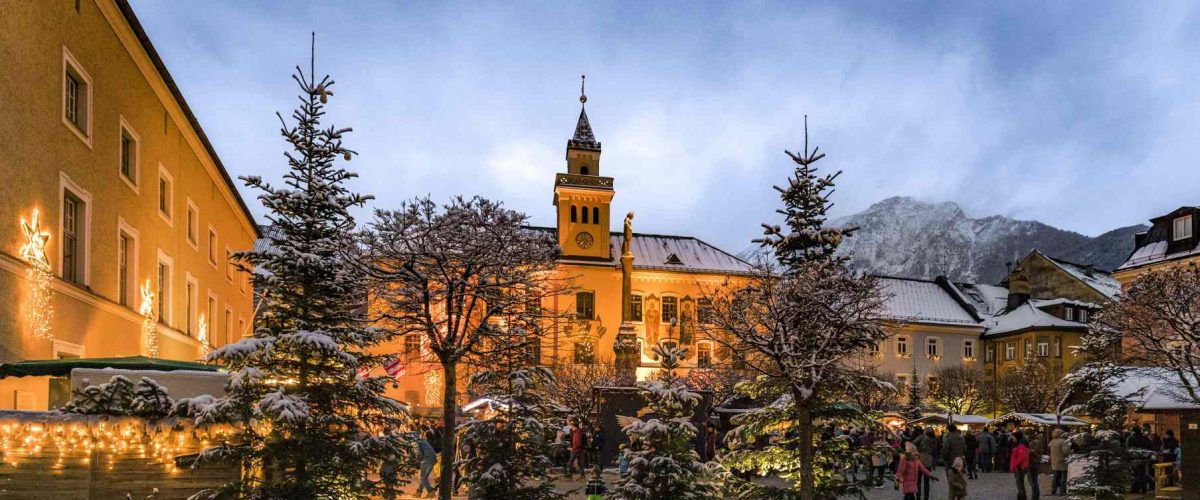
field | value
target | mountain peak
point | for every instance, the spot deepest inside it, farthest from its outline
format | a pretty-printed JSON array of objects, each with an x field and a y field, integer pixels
[{"x": 904, "y": 236}]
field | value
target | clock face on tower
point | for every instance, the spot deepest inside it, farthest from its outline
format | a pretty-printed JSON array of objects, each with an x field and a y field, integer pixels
[{"x": 584, "y": 240}]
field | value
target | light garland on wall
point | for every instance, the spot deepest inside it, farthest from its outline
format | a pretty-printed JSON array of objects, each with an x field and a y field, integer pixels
[
  {"x": 433, "y": 381},
  {"x": 149, "y": 323},
  {"x": 202, "y": 336},
  {"x": 40, "y": 310}
]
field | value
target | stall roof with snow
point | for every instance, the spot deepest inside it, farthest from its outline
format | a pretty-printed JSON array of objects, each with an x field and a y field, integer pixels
[{"x": 1053, "y": 419}]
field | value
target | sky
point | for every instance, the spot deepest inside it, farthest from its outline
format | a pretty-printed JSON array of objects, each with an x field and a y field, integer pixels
[{"x": 1081, "y": 117}]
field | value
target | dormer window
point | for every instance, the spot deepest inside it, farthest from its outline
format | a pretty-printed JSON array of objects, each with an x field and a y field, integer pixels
[
  {"x": 1182, "y": 229},
  {"x": 1069, "y": 313}
]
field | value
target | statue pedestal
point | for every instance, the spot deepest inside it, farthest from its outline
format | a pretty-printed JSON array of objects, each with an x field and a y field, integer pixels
[{"x": 626, "y": 354}]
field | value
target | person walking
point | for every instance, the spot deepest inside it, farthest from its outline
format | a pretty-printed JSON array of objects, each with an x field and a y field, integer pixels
[
  {"x": 972, "y": 457},
  {"x": 577, "y": 450},
  {"x": 1018, "y": 464},
  {"x": 1036, "y": 452},
  {"x": 1058, "y": 463},
  {"x": 927, "y": 446},
  {"x": 953, "y": 446},
  {"x": 1004, "y": 446},
  {"x": 909, "y": 471},
  {"x": 956, "y": 479},
  {"x": 428, "y": 458},
  {"x": 596, "y": 445},
  {"x": 987, "y": 450}
]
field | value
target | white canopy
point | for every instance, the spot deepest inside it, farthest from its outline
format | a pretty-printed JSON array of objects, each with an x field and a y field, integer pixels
[
  {"x": 943, "y": 418},
  {"x": 1039, "y": 419}
]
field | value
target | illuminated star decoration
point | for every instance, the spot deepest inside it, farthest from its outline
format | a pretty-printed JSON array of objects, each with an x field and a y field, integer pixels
[
  {"x": 433, "y": 382},
  {"x": 149, "y": 324},
  {"x": 40, "y": 311},
  {"x": 202, "y": 336},
  {"x": 34, "y": 250}
]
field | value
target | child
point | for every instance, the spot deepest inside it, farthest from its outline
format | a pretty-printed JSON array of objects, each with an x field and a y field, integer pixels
[
  {"x": 957, "y": 478},
  {"x": 623, "y": 462}
]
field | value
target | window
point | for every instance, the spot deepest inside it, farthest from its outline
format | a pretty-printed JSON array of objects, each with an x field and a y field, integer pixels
[
  {"x": 1058, "y": 347},
  {"x": 968, "y": 349},
  {"x": 635, "y": 307},
  {"x": 670, "y": 309},
  {"x": 704, "y": 311},
  {"x": 193, "y": 224},
  {"x": 72, "y": 239},
  {"x": 873, "y": 348},
  {"x": 533, "y": 352},
  {"x": 989, "y": 353},
  {"x": 189, "y": 313},
  {"x": 162, "y": 284},
  {"x": 228, "y": 338},
  {"x": 1010, "y": 351},
  {"x": 574, "y": 217},
  {"x": 412, "y": 347},
  {"x": 1083, "y": 315},
  {"x": 595, "y": 215},
  {"x": 585, "y": 215},
  {"x": 124, "y": 247},
  {"x": 212, "y": 246},
  {"x": 1182, "y": 229},
  {"x": 242, "y": 327},
  {"x": 1069, "y": 313},
  {"x": 585, "y": 305},
  {"x": 931, "y": 382},
  {"x": 128, "y": 154},
  {"x": 584, "y": 352},
  {"x": 902, "y": 347},
  {"x": 210, "y": 317},
  {"x": 166, "y": 195},
  {"x": 933, "y": 347},
  {"x": 704, "y": 352},
  {"x": 1043, "y": 347},
  {"x": 77, "y": 98},
  {"x": 229, "y": 265}
]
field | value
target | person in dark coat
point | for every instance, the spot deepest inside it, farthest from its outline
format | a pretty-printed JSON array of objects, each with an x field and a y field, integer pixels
[
  {"x": 987, "y": 450},
  {"x": 596, "y": 445},
  {"x": 1141, "y": 476},
  {"x": 972, "y": 454},
  {"x": 927, "y": 447},
  {"x": 1003, "y": 449}
]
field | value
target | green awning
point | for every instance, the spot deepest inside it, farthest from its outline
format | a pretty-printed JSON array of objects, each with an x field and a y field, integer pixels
[{"x": 63, "y": 367}]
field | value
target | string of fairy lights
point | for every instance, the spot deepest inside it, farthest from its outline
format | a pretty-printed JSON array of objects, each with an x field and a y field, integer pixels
[
  {"x": 40, "y": 311},
  {"x": 86, "y": 438},
  {"x": 149, "y": 322}
]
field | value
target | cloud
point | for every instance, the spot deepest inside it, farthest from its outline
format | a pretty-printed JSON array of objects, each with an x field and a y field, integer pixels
[{"x": 1076, "y": 116}]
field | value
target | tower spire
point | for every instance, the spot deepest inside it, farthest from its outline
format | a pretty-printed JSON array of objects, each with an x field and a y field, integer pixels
[{"x": 583, "y": 138}]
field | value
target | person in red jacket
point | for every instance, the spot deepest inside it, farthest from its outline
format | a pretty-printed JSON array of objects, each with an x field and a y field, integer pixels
[
  {"x": 909, "y": 470},
  {"x": 1018, "y": 463},
  {"x": 577, "y": 443}
]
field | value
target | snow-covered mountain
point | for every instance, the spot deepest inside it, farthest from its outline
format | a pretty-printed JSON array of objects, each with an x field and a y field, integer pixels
[{"x": 901, "y": 236}]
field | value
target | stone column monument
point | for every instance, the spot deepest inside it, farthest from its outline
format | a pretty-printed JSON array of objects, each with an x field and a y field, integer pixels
[{"x": 625, "y": 348}]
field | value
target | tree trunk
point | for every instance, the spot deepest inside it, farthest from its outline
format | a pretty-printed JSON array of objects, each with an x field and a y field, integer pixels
[
  {"x": 449, "y": 412},
  {"x": 805, "y": 421}
]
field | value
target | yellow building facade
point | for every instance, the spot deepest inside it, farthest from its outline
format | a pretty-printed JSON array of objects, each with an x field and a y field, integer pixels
[
  {"x": 671, "y": 274},
  {"x": 99, "y": 143}
]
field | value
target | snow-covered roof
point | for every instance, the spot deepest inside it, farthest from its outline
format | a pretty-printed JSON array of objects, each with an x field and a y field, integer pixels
[
  {"x": 263, "y": 243},
  {"x": 1155, "y": 245},
  {"x": 987, "y": 299},
  {"x": 1026, "y": 316},
  {"x": 1151, "y": 389},
  {"x": 958, "y": 419},
  {"x": 677, "y": 253},
  {"x": 922, "y": 301},
  {"x": 1062, "y": 301},
  {"x": 1039, "y": 419},
  {"x": 1098, "y": 280}
]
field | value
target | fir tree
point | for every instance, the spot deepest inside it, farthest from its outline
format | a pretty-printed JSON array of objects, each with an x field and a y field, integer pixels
[
  {"x": 309, "y": 426},
  {"x": 804, "y": 316},
  {"x": 913, "y": 408},
  {"x": 509, "y": 453},
  {"x": 664, "y": 463}
]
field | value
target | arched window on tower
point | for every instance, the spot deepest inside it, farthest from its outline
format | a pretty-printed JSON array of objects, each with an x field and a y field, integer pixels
[
  {"x": 595, "y": 215},
  {"x": 585, "y": 215},
  {"x": 583, "y": 170},
  {"x": 574, "y": 214}
]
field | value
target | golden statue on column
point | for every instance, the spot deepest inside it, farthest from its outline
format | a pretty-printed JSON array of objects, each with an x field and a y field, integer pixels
[{"x": 625, "y": 348}]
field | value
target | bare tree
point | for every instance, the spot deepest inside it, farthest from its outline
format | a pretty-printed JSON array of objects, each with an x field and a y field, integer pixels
[
  {"x": 1031, "y": 388},
  {"x": 877, "y": 392},
  {"x": 1156, "y": 323},
  {"x": 721, "y": 380},
  {"x": 470, "y": 277},
  {"x": 959, "y": 389},
  {"x": 574, "y": 382}
]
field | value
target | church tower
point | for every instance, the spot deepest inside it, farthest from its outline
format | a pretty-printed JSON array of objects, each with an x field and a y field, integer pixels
[{"x": 582, "y": 196}]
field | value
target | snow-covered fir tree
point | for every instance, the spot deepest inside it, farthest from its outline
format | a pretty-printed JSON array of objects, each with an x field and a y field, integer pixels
[
  {"x": 663, "y": 462},
  {"x": 509, "y": 456},
  {"x": 914, "y": 404},
  {"x": 308, "y": 425},
  {"x": 803, "y": 316},
  {"x": 120, "y": 396}
]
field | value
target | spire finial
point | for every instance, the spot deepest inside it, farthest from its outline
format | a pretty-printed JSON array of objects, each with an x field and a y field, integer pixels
[{"x": 582, "y": 95}]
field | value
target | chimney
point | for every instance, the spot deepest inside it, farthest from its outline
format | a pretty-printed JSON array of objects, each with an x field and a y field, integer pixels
[{"x": 1016, "y": 299}]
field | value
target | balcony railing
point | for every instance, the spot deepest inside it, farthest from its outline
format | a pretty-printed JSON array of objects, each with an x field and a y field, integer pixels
[{"x": 587, "y": 181}]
